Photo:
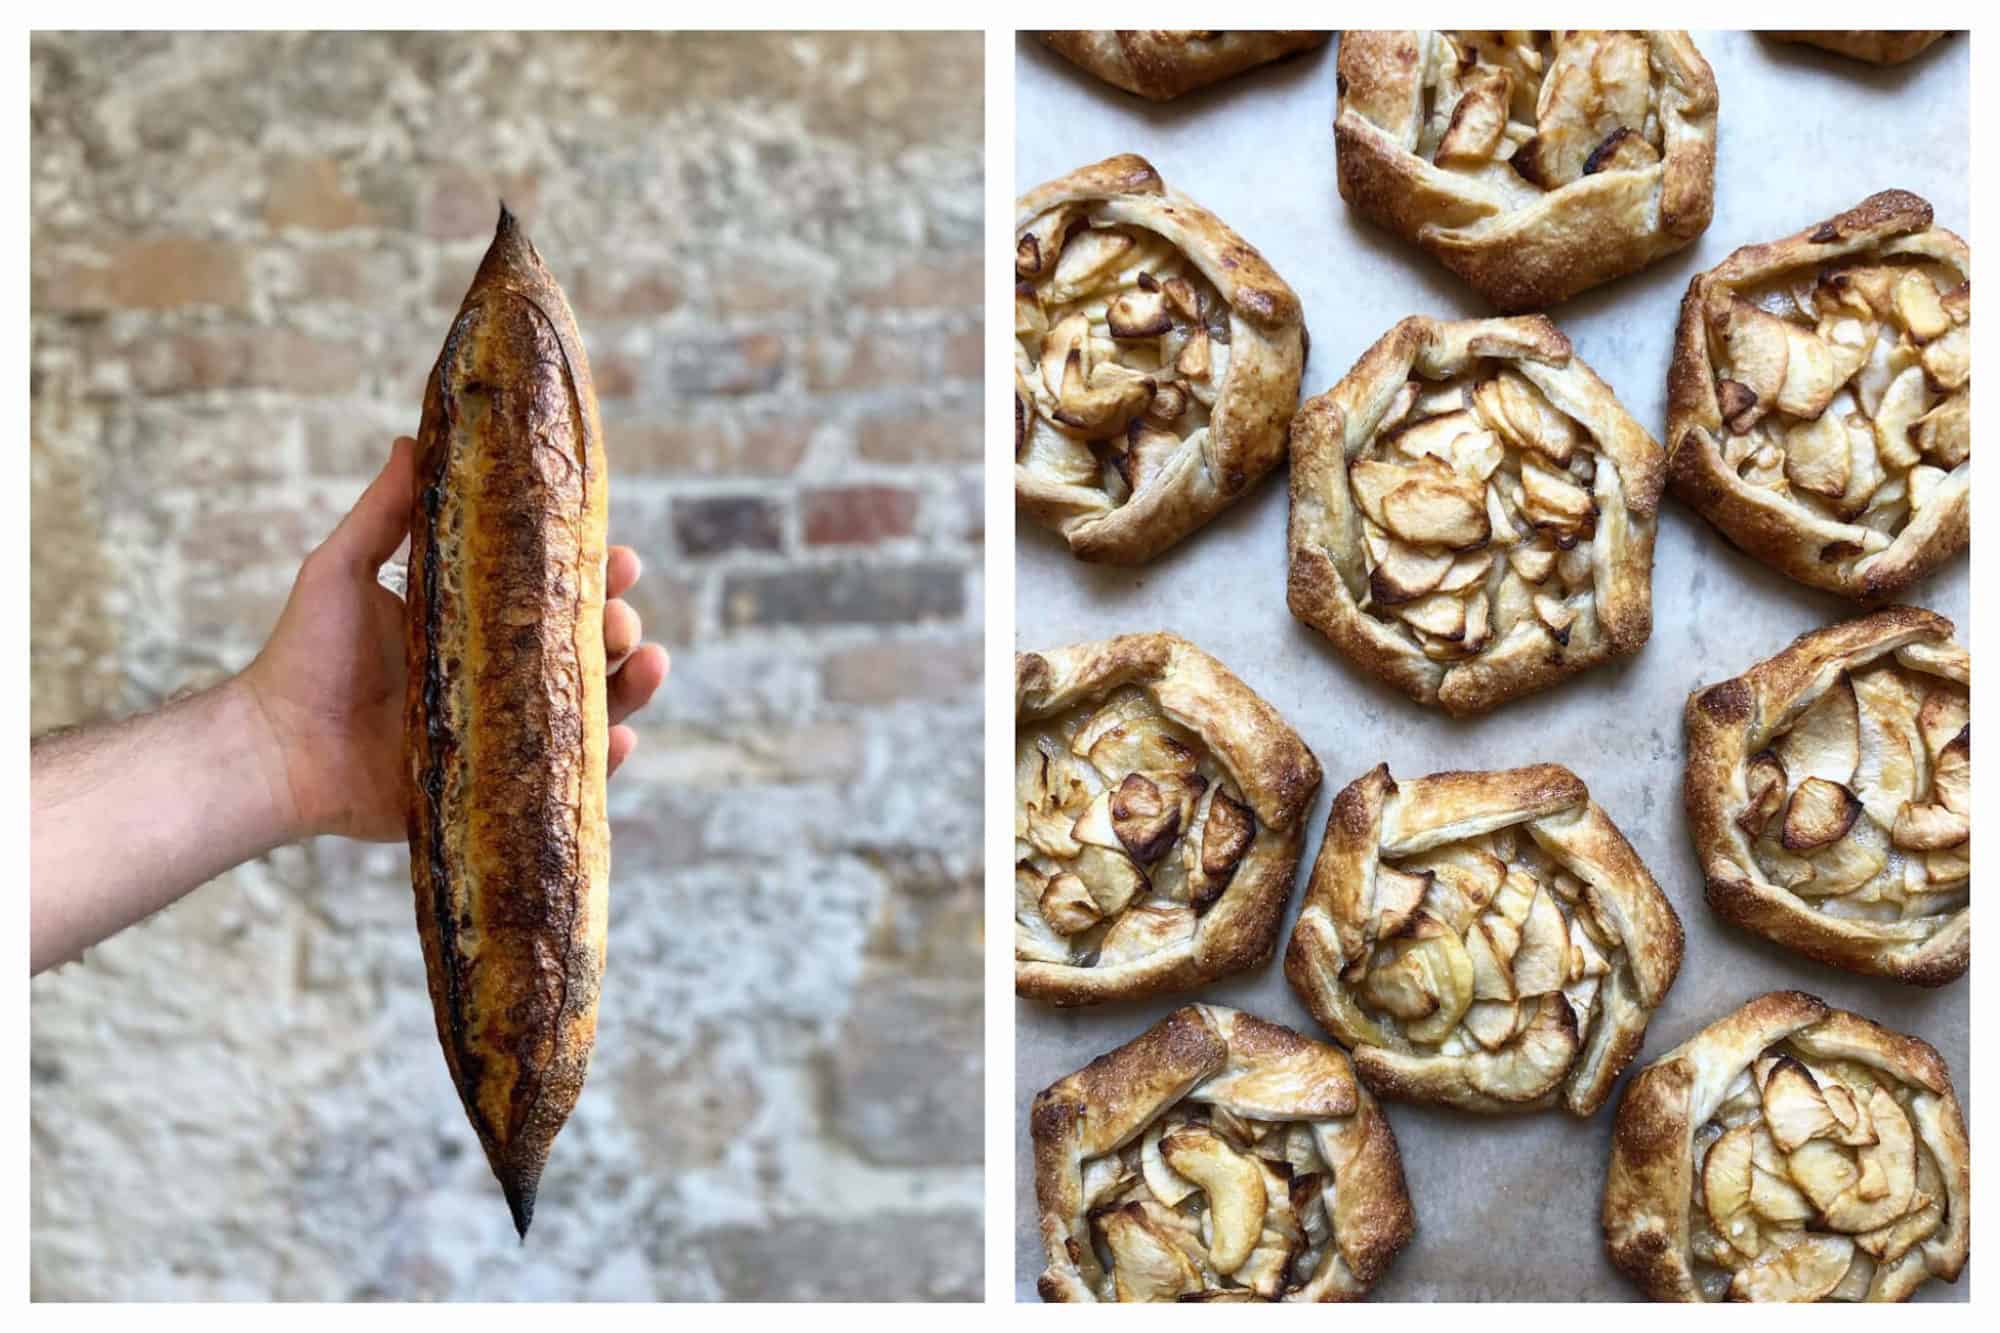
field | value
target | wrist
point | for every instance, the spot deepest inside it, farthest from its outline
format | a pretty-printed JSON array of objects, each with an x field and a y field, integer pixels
[{"x": 250, "y": 722}]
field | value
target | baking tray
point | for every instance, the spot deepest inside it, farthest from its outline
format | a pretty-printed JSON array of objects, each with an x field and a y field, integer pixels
[{"x": 1507, "y": 1207}]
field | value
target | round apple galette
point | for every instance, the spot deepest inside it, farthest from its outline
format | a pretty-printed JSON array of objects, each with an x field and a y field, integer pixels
[
  {"x": 1161, "y": 65},
  {"x": 1483, "y": 940},
  {"x": 1875, "y": 47},
  {"x": 1829, "y": 795},
  {"x": 1473, "y": 513},
  {"x": 1159, "y": 814},
  {"x": 1531, "y": 164},
  {"x": 1216, "y": 1157},
  {"x": 1819, "y": 404},
  {"x": 1790, "y": 1152},
  {"x": 1156, "y": 361}
]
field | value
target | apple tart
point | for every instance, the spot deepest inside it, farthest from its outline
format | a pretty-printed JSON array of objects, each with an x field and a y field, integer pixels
[
  {"x": 1790, "y": 1152},
  {"x": 1531, "y": 164},
  {"x": 1473, "y": 513},
  {"x": 1161, "y": 64},
  {"x": 1159, "y": 815},
  {"x": 1819, "y": 404},
  {"x": 1875, "y": 47},
  {"x": 1156, "y": 361},
  {"x": 1829, "y": 796},
  {"x": 1483, "y": 940},
  {"x": 1216, "y": 1157}
]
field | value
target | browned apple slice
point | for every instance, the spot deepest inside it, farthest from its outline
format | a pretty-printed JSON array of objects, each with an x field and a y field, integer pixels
[
  {"x": 1141, "y": 313},
  {"x": 1091, "y": 255},
  {"x": 1145, "y": 929},
  {"x": 1793, "y": 1107},
  {"x": 1226, "y": 836},
  {"x": 1825, "y": 740},
  {"x": 1145, "y": 1264},
  {"x": 1805, "y": 1271},
  {"x": 1233, "y": 1184},
  {"x": 1819, "y": 813},
  {"x": 1068, "y": 906},
  {"x": 1764, "y": 783}
]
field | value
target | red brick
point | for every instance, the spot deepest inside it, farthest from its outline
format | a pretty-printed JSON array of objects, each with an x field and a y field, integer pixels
[
  {"x": 965, "y": 354},
  {"x": 363, "y": 277},
  {"x": 461, "y": 203},
  {"x": 227, "y": 539},
  {"x": 726, "y": 366},
  {"x": 743, "y": 288},
  {"x": 871, "y": 361},
  {"x": 600, "y": 294},
  {"x": 160, "y": 274},
  {"x": 923, "y": 670},
  {"x": 931, "y": 284},
  {"x": 668, "y": 607},
  {"x": 930, "y": 438},
  {"x": 845, "y": 595},
  {"x": 243, "y": 359},
  {"x": 848, "y": 515},
  {"x": 613, "y": 376},
  {"x": 713, "y": 449},
  {"x": 708, "y": 525},
  {"x": 308, "y": 192}
]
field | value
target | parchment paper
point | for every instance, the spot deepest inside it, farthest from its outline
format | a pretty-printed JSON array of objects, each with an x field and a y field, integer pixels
[{"x": 1507, "y": 1208}]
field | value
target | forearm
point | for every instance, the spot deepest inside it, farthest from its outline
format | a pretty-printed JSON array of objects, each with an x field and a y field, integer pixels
[{"x": 126, "y": 818}]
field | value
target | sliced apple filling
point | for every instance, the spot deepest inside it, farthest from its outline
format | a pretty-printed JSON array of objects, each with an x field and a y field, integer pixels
[
  {"x": 1861, "y": 804},
  {"x": 1486, "y": 947},
  {"x": 1210, "y": 1205},
  {"x": 1809, "y": 1179},
  {"x": 1479, "y": 503},
  {"x": 1120, "y": 347},
  {"x": 1846, "y": 389},
  {"x": 1523, "y": 112},
  {"x": 1126, "y": 830}
]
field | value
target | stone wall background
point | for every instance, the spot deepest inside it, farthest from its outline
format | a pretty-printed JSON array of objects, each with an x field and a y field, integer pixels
[{"x": 246, "y": 250}]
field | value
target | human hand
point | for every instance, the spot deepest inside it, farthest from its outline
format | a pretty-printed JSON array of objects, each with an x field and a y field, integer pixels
[{"x": 330, "y": 681}]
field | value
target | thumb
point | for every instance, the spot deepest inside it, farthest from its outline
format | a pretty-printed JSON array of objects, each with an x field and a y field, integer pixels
[{"x": 380, "y": 519}]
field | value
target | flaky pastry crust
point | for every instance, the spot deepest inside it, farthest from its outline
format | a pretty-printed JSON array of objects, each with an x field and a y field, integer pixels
[
  {"x": 1160, "y": 812},
  {"x": 1820, "y": 397},
  {"x": 1156, "y": 361},
  {"x": 1264, "y": 1131},
  {"x": 1473, "y": 513},
  {"x": 1875, "y": 46},
  {"x": 1483, "y": 940},
  {"x": 1163, "y": 64},
  {"x": 1531, "y": 164},
  {"x": 1790, "y": 1152},
  {"x": 1828, "y": 795}
]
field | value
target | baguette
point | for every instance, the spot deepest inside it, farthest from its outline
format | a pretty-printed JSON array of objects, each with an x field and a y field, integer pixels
[{"x": 505, "y": 730}]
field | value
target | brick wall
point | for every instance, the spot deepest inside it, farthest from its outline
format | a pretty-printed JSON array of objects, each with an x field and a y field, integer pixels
[{"x": 246, "y": 250}]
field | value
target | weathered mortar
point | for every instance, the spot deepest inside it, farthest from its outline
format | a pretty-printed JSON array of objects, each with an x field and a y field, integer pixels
[{"x": 246, "y": 249}]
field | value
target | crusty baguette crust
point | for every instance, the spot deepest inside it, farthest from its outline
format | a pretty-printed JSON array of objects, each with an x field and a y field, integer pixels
[{"x": 506, "y": 731}]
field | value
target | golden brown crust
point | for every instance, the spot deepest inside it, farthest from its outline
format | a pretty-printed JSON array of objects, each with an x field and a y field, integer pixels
[
  {"x": 1330, "y": 585},
  {"x": 1161, "y": 65},
  {"x": 1654, "y": 1188},
  {"x": 1620, "y": 940},
  {"x": 1209, "y": 1055},
  {"x": 509, "y": 848},
  {"x": 1522, "y": 251},
  {"x": 1732, "y": 723},
  {"x": 1277, "y": 775},
  {"x": 1846, "y": 556},
  {"x": 1871, "y": 45},
  {"x": 1244, "y": 436}
]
